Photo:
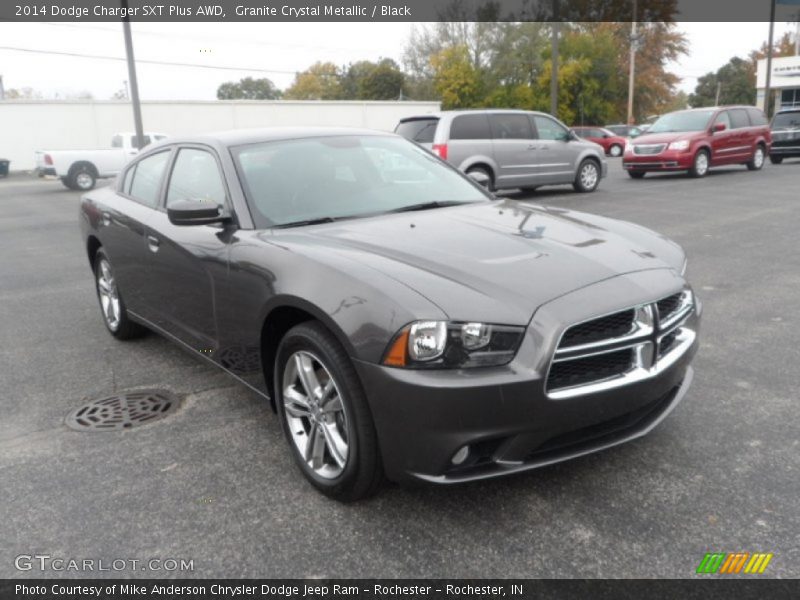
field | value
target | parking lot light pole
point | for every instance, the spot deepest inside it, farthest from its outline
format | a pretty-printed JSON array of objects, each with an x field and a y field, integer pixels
[
  {"x": 554, "y": 61},
  {"x": 632, "y": 70},
  {"x": 134, "y": 84}
]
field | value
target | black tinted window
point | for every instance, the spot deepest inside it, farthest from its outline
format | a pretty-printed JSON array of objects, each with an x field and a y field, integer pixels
[
  {"x": 548, "y": 129},
  {"x": 147, "y": 178},
  {"x": 510, "y": 126},
  {"x": 739, "y": 118},
  {"x": 195, "y": 176},
  {"x": 757, "y": 117},
  {"x": 116, "y": 141},
  {"x": 135, "y": 141},
  {"x": 418, "y": 130},
  {"x": 470, "y": 127}
]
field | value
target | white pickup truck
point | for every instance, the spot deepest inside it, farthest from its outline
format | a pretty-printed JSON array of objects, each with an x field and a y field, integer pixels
[{"x": 80, "y": 169}]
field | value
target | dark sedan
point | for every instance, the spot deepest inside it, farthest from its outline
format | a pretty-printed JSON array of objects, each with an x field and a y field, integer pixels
[
  {"x": 785, "y": 129},
  {"x": 402, "y": 320}
]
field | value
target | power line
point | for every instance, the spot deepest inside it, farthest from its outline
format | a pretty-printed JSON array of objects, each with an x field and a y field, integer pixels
[{"x": 146, "y": 61}]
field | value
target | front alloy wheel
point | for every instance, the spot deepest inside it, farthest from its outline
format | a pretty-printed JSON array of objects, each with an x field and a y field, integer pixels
[
  {"x": 700, "y": 164},
  {"x": 588, "y": 177},
  {"x": 315, "y": 414},
  {"x": 615, "y": 150},
  {"x": 325, "y": 415}
]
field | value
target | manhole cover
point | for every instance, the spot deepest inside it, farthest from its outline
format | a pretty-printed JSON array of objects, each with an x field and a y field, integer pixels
[{"x": 123, "y": 411}]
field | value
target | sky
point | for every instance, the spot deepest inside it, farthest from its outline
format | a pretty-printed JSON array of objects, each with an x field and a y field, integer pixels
[{"x": 273, "y": 50}]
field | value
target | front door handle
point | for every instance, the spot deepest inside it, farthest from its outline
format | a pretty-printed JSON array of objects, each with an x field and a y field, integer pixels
[{"x": 152, "y": 243}]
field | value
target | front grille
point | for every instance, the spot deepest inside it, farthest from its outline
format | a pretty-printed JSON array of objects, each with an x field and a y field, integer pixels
[
  {"x": 667, "y": 343},
  {"x": 610, "y": 326},
  {"x": 669, "y": 305},
  {"x": 620, "y": 347},
  {"x": 648, "y": 149},
  {"x": 589, "y": 369}
]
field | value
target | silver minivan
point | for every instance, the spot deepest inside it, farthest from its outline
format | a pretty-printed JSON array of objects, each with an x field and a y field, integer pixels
[{"x": 509, "y": 148}]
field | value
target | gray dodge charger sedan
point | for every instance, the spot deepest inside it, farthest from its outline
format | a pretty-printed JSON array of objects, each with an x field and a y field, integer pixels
[{"x": 402, "y": 321}]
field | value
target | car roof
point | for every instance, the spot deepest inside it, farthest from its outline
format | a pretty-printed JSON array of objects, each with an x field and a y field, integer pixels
[
  {"x": 237, "y": 137},
  {"x": 442, "y": 113}
]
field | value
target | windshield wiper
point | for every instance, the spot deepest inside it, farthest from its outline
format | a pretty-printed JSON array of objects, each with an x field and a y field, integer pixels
[
  {"x": 318, "y": 221},
  {"x": 425, "y": 206}
]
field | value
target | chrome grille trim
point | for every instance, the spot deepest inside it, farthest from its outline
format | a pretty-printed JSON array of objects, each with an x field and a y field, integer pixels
[
  {"x": 649, "y": 358},
  {"x": 648, "y": 149}
]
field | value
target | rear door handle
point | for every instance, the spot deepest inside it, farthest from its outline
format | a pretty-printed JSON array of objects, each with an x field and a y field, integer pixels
[{"x": 152, "y": 243}]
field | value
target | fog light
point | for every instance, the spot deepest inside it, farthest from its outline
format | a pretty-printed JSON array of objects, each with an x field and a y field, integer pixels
[{"x": 460, "y": 456}]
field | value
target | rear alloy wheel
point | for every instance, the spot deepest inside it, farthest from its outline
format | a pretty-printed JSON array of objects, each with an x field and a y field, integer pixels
[
  {"x": 324, "y": 414},
  {"x": 588, "y": 177},
  {"x": 82, "y": 178},
  {"x": 490, "y": 179},
  {"x": 757, "y": 161},
  {"x": 775, "y": 160},
  {"x": 699, "y": 164},
  {"x": 112, "y": 306},
  {"x": 636, "y": 174},
  {"x": 615, "y": 150}
]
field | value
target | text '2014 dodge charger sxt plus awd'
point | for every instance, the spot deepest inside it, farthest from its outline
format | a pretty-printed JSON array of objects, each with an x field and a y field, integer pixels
[{"x": 402, "y": 320}]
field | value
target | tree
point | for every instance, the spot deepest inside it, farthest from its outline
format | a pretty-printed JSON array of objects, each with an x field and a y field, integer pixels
[
  {"x": 321, "y": 81},
  {"x": 366, "y": 80},
  {"x": 455, "y": 78},
  {"x": 25, "y": 93},
  {"x": 248, "y": 89},
  {"x": 734, "y": 81}
]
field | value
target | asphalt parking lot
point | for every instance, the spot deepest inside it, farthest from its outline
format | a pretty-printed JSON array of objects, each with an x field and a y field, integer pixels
[{"x": 215, "y": 483}]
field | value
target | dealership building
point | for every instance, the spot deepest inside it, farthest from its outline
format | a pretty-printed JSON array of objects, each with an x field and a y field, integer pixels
[{"x": 784, "y": 82}]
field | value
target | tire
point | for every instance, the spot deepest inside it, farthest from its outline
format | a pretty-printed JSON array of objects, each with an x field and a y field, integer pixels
[
  {"x": 615, "y": 150},
  {"x": 486, "y": 172},
  {"x": 700, "y": 164},
  {"x": 757, "y": 162},
  {"x": 82, "y": 177},
  {"x": 345, "y": 463},
  {"x": 588, "y": 176},
  {"x": 775, "y": 160},
  {"x": 636, "y": 174},
  {"x": 111, "y": 302}
]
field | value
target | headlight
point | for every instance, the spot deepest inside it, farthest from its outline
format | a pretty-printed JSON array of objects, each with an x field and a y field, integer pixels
[
  {"x": 679, "y": 145},
  {"x": 683, "y": 268},
  {"x": 446, "y": 344}
]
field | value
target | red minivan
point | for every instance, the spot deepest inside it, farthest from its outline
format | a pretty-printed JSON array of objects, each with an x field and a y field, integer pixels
[{"x": 697, "y": 139}]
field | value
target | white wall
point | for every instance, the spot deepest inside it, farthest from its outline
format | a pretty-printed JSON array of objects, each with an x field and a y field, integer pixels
[{"x": 26, "y": 126}]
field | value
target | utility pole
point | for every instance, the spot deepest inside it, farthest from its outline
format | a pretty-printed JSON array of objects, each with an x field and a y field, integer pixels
[
  {"x": 2, "y": 89},
  {"x": 767, "y": 90},
  {"x": 137, "y": 108},
  {"x": 554, "y": 69},
  {"x": 719, "y": 89},
  {"x": 632, "y": 70}
]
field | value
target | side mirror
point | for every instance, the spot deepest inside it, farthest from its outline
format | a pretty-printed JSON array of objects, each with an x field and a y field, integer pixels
[
  {"x": 719, "y": 127},
  {"x": 481, "y": 178},
  {"x": 194, "y": 212}
]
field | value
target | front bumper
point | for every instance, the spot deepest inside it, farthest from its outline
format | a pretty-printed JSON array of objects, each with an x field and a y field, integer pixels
[
  {"x": 668, "y": 160},
  {"x": 505, "y": 415}
]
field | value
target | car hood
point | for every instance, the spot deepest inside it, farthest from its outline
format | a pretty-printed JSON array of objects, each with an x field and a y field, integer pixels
[
  {"x": 495, "y": 261},
  {"x": 664, "y": 138}
]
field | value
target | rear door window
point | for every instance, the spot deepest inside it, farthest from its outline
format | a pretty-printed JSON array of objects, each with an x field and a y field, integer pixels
[
  {"x": 470, "y": 127},
  {"x": 146, "y": 183},
  {"x": 739, "y": 118},
  {"x": 510, "y": 126},
  {"x": 418, "y": 130}
]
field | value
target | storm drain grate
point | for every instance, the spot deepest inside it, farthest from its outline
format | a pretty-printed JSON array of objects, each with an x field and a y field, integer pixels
[{"x": 123, "y": 411}]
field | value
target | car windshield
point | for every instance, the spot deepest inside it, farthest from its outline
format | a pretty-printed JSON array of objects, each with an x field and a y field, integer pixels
[
  {"x": 787, "y": 120},
  {"x": 685, "y": 120},
  {"x": 299, "y": 182}
]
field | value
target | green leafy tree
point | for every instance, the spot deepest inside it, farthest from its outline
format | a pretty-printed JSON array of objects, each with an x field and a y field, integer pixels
[
  {"x": 735, "y": 82},
  {"x": 248, "y": 89},
  {"x": 366, "y": 80},
  {"x": 455, "y": 78},
  {"x": 321, "y": 81}
]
